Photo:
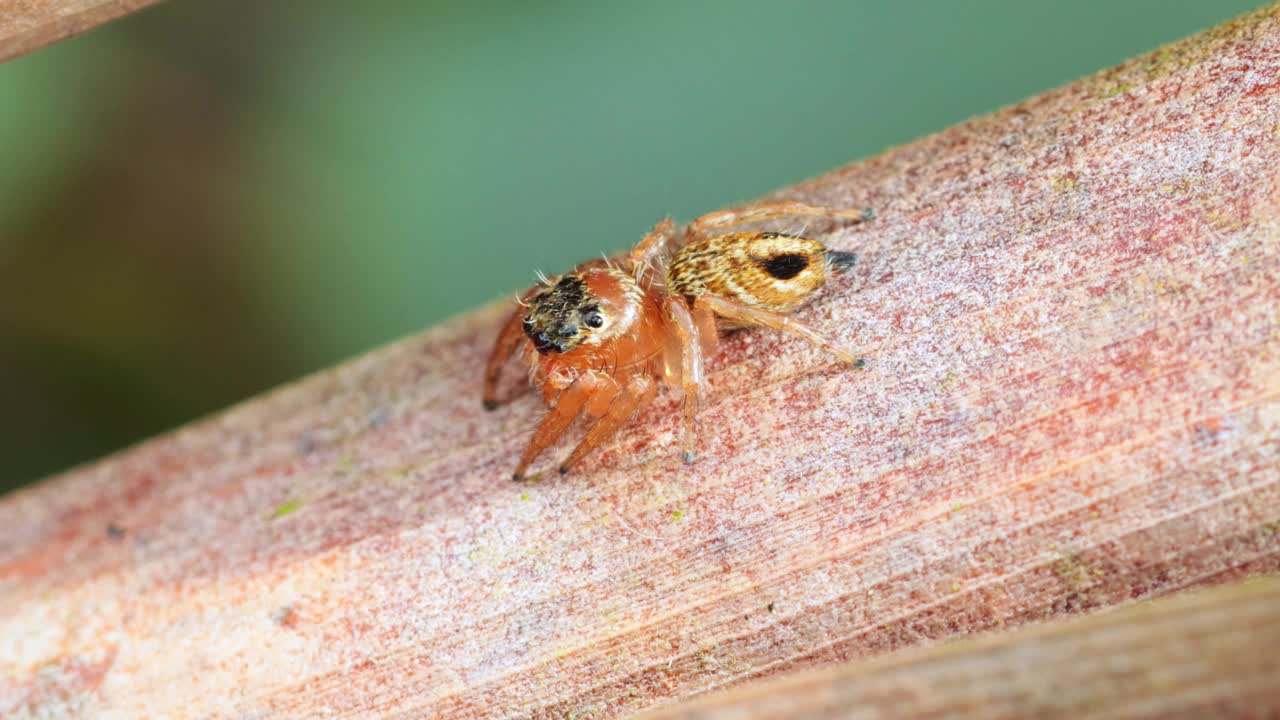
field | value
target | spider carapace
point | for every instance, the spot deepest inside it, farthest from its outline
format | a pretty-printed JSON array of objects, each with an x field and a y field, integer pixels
[{"x": 602, "y": 338}]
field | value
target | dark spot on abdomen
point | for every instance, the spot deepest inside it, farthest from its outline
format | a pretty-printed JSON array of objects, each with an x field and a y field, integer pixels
[{"x": 784, "y": 266}]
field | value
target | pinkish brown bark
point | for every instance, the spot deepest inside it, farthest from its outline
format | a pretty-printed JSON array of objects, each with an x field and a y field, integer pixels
[
  {"x": 28, "y": 25},
  {"x": 1072, "y": 400},
  {"x": 1209, "y": 654}
]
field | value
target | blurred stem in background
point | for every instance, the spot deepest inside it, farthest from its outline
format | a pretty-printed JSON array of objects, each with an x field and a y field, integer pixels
[{"x": 207, "y": 199}]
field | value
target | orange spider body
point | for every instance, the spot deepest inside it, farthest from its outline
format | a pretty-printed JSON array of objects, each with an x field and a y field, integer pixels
[
  {"x": 633, "y": 346},
  {"x": 600, "y": 339}
]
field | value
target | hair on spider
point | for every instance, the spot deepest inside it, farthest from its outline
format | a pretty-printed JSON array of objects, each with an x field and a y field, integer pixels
[{"x": 600, "y": 340}]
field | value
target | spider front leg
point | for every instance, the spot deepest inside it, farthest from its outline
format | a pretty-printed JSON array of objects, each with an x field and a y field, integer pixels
[
  {"x": 692, "y": 375},
  {"x": 639, "y": 390},
  {"x": 589, "y": 387},
  {"x": 699, "y": 229},
  {"x": 747, "y": 315},
  {"x": 503, "y": 348}
]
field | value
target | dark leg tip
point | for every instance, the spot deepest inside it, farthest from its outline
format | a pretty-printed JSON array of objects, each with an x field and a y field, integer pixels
[
  {"x": 564, "y": 469},
  {"x": 841, "y": 261},
  {"x": 490, "y": 404},
  {"x": 859, "y": 363},
  {"x": 689, "y": 455},
  {"x": 518, "y": 477},
  {"x": 868, "y": 213}
]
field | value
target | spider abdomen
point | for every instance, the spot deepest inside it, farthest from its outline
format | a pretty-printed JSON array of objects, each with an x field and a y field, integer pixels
[{"x": 763, "y": 269}]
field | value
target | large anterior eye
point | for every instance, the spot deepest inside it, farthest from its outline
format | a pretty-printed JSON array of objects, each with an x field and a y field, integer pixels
[{"x": 594, "y": 319}]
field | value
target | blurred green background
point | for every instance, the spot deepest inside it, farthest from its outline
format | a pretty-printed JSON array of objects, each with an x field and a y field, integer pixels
[{"x": 209, "y": 198}]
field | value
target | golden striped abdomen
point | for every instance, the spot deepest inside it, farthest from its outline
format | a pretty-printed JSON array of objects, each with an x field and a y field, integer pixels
[{"x": 762, "y": 269}]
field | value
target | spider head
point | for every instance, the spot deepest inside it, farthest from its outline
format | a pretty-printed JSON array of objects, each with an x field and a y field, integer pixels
[{"x": 580, "y": 309}]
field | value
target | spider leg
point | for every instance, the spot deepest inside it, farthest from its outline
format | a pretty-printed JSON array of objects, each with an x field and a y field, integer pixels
[
  {"x": 639, "y": 390},
  {"x": 692, "y": 375},
  {"x": 708, "y": 331},
  {"x": 652, "y": 245},
  {"x": 508, "y": 340},
  {"x": 700, "y": 229},
  {"x": 586, "y": 388},
  {"x": 747, "y": 315}
]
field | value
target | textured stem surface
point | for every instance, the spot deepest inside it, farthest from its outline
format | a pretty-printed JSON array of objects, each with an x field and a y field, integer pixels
[
  {"x": 28, "y": 25},
  {"x": 1209, "y": 654},
  {"x": 1070, "y": 311}
]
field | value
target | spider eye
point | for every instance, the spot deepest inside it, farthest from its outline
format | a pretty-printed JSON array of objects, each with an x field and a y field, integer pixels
[{"x": 594, "y": 319}]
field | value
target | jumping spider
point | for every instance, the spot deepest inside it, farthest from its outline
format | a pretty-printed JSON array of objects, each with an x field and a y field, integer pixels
[{"x": 599, "y": 339}]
